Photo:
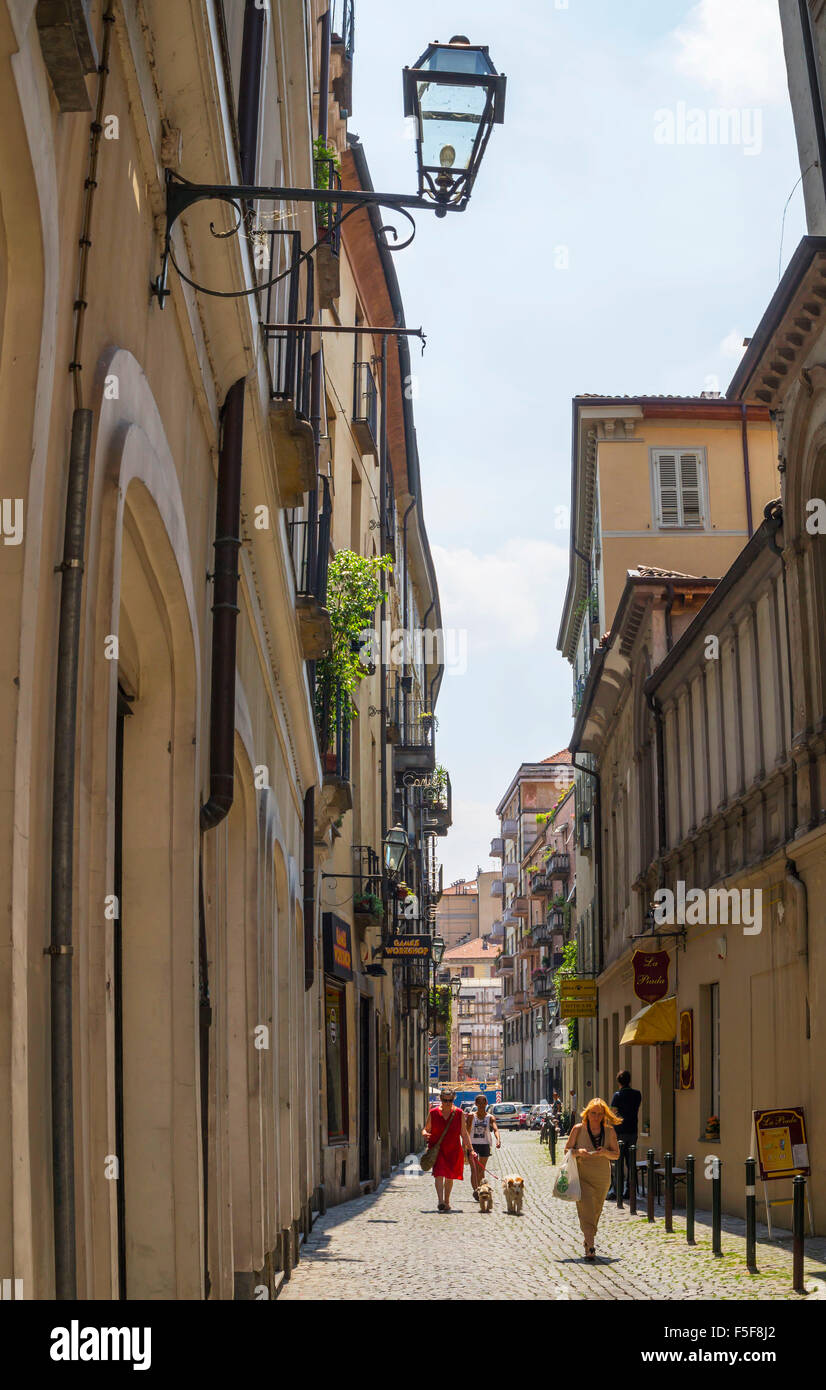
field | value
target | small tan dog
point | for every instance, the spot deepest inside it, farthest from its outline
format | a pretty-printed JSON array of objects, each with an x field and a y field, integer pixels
[
  {"x": 485, "y": 1196},
  {"x": 514, "y": 1191}
]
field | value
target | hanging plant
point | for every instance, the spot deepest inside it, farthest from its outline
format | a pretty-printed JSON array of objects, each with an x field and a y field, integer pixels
[{"x": 354, "y": 592}]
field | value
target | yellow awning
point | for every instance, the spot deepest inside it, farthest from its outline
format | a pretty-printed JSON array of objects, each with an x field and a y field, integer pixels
[{"x": 655, "y": 1023}]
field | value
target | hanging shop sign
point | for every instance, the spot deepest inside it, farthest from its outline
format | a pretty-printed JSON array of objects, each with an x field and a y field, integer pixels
[
  {"x": 650, "y": 975},
  {"x": 338, "y": 953},
  {"x": 572, "y": 988},
  {"x": 782, "y": 1147},
  {"x": 402, "y": 947},
  {"x": 686, "y": 1050}
]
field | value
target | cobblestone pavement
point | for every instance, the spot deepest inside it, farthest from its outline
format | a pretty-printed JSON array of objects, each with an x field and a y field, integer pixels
[{"x": 393, "y": 1244}]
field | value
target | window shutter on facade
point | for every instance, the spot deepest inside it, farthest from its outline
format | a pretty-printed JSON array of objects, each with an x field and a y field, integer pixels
[
  {"x": 668, "y": 496},
  {"x": 679, "y": 499}
]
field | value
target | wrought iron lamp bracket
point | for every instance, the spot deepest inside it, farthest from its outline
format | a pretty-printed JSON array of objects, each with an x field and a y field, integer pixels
[{"x": 182, "y": 195}]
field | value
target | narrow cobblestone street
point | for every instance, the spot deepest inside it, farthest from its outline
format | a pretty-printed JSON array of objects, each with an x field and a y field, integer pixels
[{"x": 393, "y": 1244}]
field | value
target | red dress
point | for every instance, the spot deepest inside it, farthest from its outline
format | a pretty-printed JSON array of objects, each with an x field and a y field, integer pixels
[{"x": 450, "y": 1163}]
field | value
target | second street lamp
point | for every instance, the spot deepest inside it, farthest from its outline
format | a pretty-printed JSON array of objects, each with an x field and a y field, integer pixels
[{"x": 395, "y": 850}]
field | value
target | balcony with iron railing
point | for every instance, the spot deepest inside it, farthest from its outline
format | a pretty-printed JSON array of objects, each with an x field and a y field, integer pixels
[
  {"x": 365, "y": 408},
  {"x": 510, "y": 872},
  {"x": 509, "y": 829},
  {"x": 579, "y": 691},
  {"x": 308, "y": 533},
  {"x": 290, "y": 301},
  {"x": 342, "y": 47},
  {"x": 415, "y": 749},
  {"x": 542, "y": 934},
  {"x": 525, "y": 943},
  {"x": 539, "y": 885},
  {"x": 542, "y": 982},
  {"x": 504, "y": 965},
  {"x": 434, "y": 799},
  {"x": 496, "y": 887},
  {"x": 559, "y": 863},
  {"x": 328, "y": 230},
  {"x": 497, "y": 847},
  {"x": 333, "y": 724},
  {"x": 521, "y": 907}
]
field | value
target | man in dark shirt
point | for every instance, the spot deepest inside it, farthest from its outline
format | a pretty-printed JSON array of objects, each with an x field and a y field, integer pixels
[{"x": 626, "y": 1102}]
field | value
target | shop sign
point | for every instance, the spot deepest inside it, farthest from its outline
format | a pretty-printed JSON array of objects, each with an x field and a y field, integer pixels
[
  {"x": 686, "y": 1050},
  {"x": 338, "y": 953},
  {"x": 572, "y": 988},
  {"x": 782, "y": 1149},
  {"x": 577, "y": 1008},
  {"x": 403, "y": 947},
  {"x": 650, "y": 975}
]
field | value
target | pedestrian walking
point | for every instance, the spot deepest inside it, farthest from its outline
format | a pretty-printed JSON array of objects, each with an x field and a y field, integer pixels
[
  {"x": 483, "y": 1130},
  {"x": 447, "y": 1127},
  {"x": 594, "y": 1142},
  {"x": 626, "y": 1101}
]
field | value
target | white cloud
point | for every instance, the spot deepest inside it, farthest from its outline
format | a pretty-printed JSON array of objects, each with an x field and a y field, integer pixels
[
  {"x": 732, "y": 345},
  {"x": 735, "y": 48},
  {"x": 507, "y": 598}
]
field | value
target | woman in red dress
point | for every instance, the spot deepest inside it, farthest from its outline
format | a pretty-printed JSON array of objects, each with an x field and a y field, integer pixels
[{"x": 449, "y": 1166}]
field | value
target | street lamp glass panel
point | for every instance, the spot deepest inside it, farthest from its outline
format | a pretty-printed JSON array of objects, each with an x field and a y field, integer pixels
[
  {"x": 452, "y": 115},
  {"x": 437, "y": 947},
  {"x": 395, "y": 849}
]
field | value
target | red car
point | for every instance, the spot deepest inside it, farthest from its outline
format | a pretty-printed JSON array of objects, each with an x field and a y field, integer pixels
[{"x": 523, "y": 1119}]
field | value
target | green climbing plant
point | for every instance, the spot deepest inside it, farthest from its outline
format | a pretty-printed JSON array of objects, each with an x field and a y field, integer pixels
[
  {"x": 324, "y": 153},
  {"x": 354, "y": 592},
  {"x": 564, "y": 972}
]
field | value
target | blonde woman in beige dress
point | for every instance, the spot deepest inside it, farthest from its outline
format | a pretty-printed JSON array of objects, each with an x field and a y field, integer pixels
[{"x": 594, "y": 1143}]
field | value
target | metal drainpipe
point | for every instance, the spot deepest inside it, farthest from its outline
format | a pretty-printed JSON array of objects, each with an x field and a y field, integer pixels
[
  {"x": 744, "y": 431},
  {"x": 309, "y": 887},
  {"x": 324, "y": 75},
  {"x": 249, "y": 88},
  {"x": 60, "y": 948},
  {"x": 589, "y": 772},
  {"x": 669, "y": 632},
  {"x": 225, "y": 611},
  {"x": 657, "y": 711},
  {"x": 802, "y": 898}
]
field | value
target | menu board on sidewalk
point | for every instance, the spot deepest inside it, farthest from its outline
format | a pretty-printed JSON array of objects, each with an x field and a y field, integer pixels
[{"x": 782, "y": 1148}]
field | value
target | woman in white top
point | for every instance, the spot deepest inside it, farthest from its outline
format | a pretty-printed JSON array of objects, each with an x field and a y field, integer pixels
[{"x": 483, "y": 1129}]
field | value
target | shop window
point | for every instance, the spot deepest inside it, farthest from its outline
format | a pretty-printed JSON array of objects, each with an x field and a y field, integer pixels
[{"x": 336, "y": 1048}]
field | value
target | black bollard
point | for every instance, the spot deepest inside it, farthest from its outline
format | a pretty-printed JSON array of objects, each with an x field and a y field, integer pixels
[
  {"x": 618, "y": 1172},
  {"x": 650, "y": 1185},
  {"x": 751, "y": 1218},
  {"x": 799, "y": 1229},
  {"x": 552, "y": 1143},
  {"x": 716, "y": 1208},
  {"x": 669, "y": 1192},
  {"x": 689, "y": 1200},
  {"x": 632, "y": 1179}
]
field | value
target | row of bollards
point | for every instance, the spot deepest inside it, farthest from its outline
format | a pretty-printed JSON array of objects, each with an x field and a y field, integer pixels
[{"x": 626, "y": 1166}]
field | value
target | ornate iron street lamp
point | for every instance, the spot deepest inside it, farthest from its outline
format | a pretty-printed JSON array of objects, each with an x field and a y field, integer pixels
[
  {"x": 437, "y": 950},
  {"x": 456, "y": 96},
  {"x": 395, "y": 850}
]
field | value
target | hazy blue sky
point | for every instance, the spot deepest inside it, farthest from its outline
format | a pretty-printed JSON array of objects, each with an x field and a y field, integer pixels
[{"x": 672, "y": 256}]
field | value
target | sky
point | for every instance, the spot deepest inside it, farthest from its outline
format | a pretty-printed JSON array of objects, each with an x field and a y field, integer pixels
[{"x": 603, "y": 250}]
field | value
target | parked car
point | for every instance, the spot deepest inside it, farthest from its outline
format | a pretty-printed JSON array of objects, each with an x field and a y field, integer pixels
[
  {"x": 506, "y": 1114},
  {"x": 538, "y": 1113},
  {"x": 523, "y": 1119}
]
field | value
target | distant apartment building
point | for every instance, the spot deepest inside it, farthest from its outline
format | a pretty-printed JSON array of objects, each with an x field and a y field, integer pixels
[
  {"x": 476, "y": 1028},
  {"x": 466, "y": 909},
  {"x": 533, "y": 892}
]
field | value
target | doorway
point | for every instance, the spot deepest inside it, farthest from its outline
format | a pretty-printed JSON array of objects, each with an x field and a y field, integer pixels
[{"x": 123, "y": 713}]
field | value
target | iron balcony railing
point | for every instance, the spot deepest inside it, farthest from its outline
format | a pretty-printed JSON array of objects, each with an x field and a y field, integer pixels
[
  {"x": 290, "y": 300},
  {"x": 559, "y": 863},
  {"x": 542, "y": 934},
  {"x": 333, "y": 732},
  {"x": 328, "y": 215},
  {"x": 368, "y": 867},
  {"x": 416, "y": 724},
  {"x": 308, "y": 531},
  {"x": 365, "y": 406},
  {"x": 343, "y": 26},
  {"x": 579, "y": 691}
]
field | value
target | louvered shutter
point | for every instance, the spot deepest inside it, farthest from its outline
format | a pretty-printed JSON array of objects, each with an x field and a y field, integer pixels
[
  {"x": 668, "y": 496},
  {"x": 690, "y": 489}
]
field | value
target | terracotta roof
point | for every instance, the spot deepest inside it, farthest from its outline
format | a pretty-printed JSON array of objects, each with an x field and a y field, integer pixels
[
  {"x": 473, "y": 948},
  {"x": 465, "y": 889},
  {"x": 564, "y": 756}
]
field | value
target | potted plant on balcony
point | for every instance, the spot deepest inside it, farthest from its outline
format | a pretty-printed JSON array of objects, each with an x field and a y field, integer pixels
[
  {"x": 368, "y": 910},
  {"x": 712, "y": 1128},
  {"x": 325, "y": 158}
]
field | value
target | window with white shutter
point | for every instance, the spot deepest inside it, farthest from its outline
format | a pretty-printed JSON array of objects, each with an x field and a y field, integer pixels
[{"x": 678, "y": 488}]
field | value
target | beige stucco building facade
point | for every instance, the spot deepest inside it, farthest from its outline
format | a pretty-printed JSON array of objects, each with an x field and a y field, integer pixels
[{"x": 232, "y": 1064}]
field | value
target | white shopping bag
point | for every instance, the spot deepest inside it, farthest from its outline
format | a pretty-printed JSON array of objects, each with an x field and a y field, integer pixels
[{"x": 567, "y": 1187}]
